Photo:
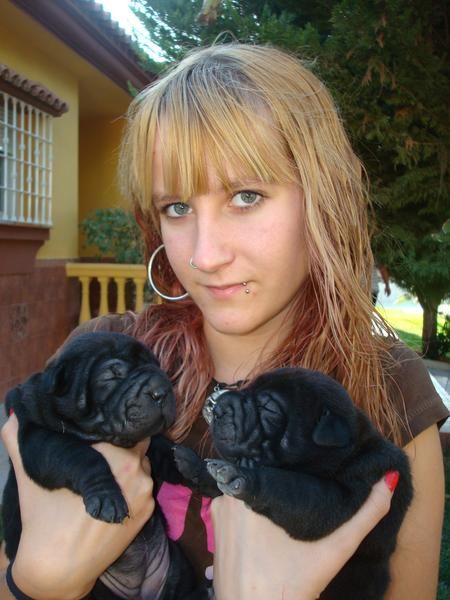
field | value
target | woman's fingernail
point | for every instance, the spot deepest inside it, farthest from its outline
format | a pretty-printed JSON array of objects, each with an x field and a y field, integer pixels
[
  {"x": 11, "y": 411},
  {"x": 391, "y": 478}
]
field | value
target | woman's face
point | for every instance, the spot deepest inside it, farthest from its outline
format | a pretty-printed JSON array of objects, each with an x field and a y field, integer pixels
[{"x": 248, "y": 247}]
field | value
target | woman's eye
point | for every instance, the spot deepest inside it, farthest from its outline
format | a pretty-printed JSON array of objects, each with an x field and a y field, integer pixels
[
  {"x": 178, "y": 209},
  {"x": 246, "y": 199}
]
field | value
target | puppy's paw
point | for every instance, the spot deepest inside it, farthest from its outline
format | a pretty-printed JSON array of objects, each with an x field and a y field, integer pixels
[
  {"x": 107, "y": 507},
  {"x": 189, "y": 464},
  {"x": 230, "y": 479}
]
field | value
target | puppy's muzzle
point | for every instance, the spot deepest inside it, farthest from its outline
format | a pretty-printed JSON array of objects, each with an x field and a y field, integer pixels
[
  {"x": 143, "y": 405},
  {"x": 235, "y": 426},
  {"x": 248, "y": 425}
]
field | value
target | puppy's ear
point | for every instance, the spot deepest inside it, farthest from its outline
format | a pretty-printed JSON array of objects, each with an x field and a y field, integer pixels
[
  {"x": 57, "y": 379},
  {"x": 332, "y": 431},
  {"x": 59, "y": 382}
]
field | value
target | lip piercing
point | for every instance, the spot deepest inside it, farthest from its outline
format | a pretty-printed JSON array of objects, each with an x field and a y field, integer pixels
[
  {"x": 247, "y": 291},
  {"x": 191, "y": 264}
]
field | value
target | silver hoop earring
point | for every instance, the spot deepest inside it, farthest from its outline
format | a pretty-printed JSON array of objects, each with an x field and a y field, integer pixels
[
  {"x": 191, "y": 264},
  {"x": 152, "y": 283}
]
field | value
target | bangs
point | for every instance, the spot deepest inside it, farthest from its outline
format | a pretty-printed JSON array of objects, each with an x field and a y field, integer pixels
[
  {"x": 235, "y": 137},
  {"x": 205, "y": 120}
]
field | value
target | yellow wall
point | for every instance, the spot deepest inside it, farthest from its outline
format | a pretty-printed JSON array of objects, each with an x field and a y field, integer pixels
[
  {"x": 30, "y": 60},
  {"x": 85, "y": 139},
  {"x": 99, "y": 149},
  {"x": 99, "y": 152}
]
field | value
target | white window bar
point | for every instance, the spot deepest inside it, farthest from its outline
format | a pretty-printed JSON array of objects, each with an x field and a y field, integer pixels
[
  {"x": 22, "y": 164},
  {"x": 4, "y": 159},
  {"x": 35, "y": 141},
  {"x": 50, "y": 171},
  {"x": 26, "y": 162},
  {"x": 28, "y": 167},
  {"x": 13, "y": 182}
]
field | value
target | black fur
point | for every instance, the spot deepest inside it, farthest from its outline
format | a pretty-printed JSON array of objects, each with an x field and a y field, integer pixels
[
  {"x": 101, "y": 387},
  {"x": 294, "y": 448}
]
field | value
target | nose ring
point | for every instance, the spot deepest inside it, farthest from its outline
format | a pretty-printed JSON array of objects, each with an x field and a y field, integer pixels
[{"x": 191, "y": 263}]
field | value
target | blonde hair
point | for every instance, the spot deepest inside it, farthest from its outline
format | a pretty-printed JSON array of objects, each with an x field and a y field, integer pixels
[{"x": 259, "y": 112}]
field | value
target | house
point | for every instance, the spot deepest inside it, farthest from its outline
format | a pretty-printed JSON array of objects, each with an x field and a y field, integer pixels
[{"x": 65, "y": 70}]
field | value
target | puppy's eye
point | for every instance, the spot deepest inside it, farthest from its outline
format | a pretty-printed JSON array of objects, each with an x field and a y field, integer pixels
[
  {"x": 113, "y": 369},
  {"x": 119, "y": 370},
  {"x": 270, "y": 412}
]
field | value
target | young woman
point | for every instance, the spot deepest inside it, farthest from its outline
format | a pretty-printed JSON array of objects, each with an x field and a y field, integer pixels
[{"x": 253, "y": 212}]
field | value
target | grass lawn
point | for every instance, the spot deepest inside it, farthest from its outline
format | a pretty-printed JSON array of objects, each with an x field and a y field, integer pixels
[{"x": 408, "y": 325}]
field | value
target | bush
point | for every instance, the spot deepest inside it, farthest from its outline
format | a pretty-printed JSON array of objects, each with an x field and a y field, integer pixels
[
  {"x": 443, "y": 337},
  {"x": 116, "y": 235}
]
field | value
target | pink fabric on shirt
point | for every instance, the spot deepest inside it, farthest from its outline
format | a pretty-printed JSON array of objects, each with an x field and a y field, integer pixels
[{"x": 174, "y": 501}]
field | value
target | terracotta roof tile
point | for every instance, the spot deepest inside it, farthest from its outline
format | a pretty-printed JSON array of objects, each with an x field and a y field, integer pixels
[{"x": 32, "y": 91}]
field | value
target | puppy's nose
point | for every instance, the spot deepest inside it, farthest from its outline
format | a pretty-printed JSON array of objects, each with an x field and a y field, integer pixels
[
  {"x": 158, "y": 388},
  {"x": 158, "y": 395}
]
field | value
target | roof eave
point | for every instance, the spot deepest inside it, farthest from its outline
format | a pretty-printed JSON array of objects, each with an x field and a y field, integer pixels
[{"x": 110, "y": 54}]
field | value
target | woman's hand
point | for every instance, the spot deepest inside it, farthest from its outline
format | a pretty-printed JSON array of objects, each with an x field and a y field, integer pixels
[
  {"x": 62, "y": 549},
  {"x": 256, "y": 559}
]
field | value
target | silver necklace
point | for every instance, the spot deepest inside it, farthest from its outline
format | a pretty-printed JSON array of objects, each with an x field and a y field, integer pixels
[{"x": 212, "y": 399}]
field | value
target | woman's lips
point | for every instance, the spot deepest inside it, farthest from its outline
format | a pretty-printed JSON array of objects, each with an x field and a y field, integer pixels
[{"x": 225, "y": 291}]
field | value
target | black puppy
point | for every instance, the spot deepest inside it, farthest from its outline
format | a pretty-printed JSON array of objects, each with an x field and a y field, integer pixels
[
  {"x": 298, "y": 451},
  {"x": 101, "y": 387}
]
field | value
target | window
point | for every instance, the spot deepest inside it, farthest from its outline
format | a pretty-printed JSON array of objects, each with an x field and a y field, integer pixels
[{"x": 25, "y": 163}]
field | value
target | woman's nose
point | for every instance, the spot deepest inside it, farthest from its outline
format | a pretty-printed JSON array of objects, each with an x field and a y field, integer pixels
[{"x": 212, "y": 247}]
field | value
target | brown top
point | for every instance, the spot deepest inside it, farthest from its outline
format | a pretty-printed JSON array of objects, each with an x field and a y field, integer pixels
[{"x": 187, "y": 513}]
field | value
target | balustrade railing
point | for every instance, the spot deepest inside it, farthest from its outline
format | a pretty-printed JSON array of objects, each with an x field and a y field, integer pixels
[{"x": 104, "y": 273}]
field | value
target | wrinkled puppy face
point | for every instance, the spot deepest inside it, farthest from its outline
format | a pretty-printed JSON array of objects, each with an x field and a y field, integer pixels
[
  {"x": 286, "y": 417},
  {"x": 108, "y": 386}
]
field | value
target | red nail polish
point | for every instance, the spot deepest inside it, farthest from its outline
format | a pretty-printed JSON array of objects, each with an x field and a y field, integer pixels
[
  {"x": 11, "y": 411},
  {"x": 391, "y": 478}
]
